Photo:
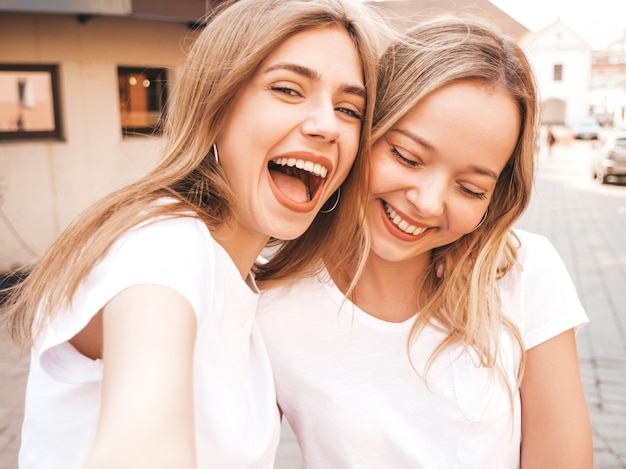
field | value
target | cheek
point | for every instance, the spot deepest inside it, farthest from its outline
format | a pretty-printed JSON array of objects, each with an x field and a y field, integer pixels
[
  {"x": 465, "y": 216},
  {"x": 384, "y": 176},
  {"x": 349, "y": 147},
  {"x": 373, "y": 209}
]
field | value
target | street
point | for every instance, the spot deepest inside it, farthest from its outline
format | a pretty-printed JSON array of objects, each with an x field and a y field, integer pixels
[
  {"x": 585, "y": 221},
  {"x": 13, "y": 372}
]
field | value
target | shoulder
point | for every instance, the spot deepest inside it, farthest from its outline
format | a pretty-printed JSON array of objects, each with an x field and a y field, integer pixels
[
  {"x": 537, "y": 258},
  {"x": 529, "y": 240},
  {"x": 174, "y": 252},
  {"x": 162, "y": 240},
  {"x": 177, "y": 253},
  {"x": 301, "y": 294},
  {"x": 538, "y": 293},
  {"x": 288, "y": 291},
  {"x": 534, "y": 249},
  {"x": 185, "y": 229}
]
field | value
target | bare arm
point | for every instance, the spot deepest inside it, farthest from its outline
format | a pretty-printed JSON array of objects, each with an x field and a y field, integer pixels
[
  {"x": 556, "y": 432},
  {"x": 147, "y": 413}
]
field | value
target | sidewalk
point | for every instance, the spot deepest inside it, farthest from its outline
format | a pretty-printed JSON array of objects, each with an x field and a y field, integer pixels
[
  {"x": 13, "y": 372},
  {"x": 586, "y": 222}
]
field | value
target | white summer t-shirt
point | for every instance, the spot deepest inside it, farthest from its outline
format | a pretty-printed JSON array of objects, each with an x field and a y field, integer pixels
[
  {"x": 237, "y": 422},
  {"x": 354, "y": 399}
]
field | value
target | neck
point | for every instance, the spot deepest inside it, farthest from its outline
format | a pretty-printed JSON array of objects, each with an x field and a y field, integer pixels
[
  {"x": 388, "y": 290},
  {"x": 243, "y": 246}
]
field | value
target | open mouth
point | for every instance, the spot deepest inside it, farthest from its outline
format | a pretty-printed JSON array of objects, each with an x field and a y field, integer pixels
[{"x": 297, "y": 179}]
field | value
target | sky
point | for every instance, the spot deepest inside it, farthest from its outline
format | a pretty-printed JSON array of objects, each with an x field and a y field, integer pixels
[{"x": 598, "y": 22}]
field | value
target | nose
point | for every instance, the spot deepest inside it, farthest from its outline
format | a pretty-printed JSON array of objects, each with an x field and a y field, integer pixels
[
  {"x": 427, "y": 193},
  {"x": 321, "y": 121}
]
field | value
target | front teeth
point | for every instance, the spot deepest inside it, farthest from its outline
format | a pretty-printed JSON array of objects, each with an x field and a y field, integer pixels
[
  {"x": 401, "y": 223},
  {"x": 309, "y": 166}
]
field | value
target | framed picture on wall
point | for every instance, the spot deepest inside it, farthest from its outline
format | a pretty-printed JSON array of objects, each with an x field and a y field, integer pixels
[{"x": 29, "y": 102}]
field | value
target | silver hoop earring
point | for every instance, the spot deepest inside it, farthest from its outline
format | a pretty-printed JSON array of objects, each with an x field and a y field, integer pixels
[
  {"x": 440, "y": 269},
  {"x": 338, "y": 192},
  {"x": 216, "y": 154},
  {"x": 482, "y": 220}
]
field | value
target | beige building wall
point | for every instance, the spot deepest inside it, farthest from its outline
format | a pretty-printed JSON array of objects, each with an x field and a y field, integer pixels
[{"x": 45, "y": 184}]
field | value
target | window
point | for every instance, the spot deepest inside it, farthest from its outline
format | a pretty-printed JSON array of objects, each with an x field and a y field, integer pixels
[
  {"x": 29, "y": 102},
  {"x": 142, "y": 99},
  {"x": 558, "y": 72}
]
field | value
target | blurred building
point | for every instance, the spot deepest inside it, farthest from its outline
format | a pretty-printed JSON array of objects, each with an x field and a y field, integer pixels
[
  {"x": 405, "y": 13},
  {"x": 82, "y": 86},
  {"x": 608, "y": 84},
  {"x": 561, "y": 62}
]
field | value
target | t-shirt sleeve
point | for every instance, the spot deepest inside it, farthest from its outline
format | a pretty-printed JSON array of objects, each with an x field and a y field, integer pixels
[
  {"x": 175, "y": 253},
  {"x": 550, "y": 301}
]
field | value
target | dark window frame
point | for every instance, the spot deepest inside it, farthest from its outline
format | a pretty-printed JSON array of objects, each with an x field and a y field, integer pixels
[
  {"x": 159, "y": 99},
  {"x": 32, "y": 135},
  {"x": 557, "y": 72}
]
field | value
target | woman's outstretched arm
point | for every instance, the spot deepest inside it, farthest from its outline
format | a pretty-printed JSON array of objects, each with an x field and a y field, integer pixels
[
  {"x": 556, "y": 432},
  {"x": 146, "y": 417}
]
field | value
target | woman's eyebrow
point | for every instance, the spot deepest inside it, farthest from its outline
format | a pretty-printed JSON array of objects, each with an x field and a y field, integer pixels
[
  {"x": 299, "y": 69},
  {"x": 429, "y": 146},
  {"x": 484, "y": 171},
  {"x": 415, "y": 137},
  {"x": 311, "y": 74}
]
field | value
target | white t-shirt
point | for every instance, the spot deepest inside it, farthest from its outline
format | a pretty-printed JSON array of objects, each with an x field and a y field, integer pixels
[
  {"x": 237, "y": 422},
  {"x": 346, "y": 385}
]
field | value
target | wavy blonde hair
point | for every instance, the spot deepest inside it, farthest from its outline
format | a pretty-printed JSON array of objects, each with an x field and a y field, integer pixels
[
  {"x": 340, "y": 227},
  {"x": 237, "y": 38},
  {"x": 465, "y": 301}
]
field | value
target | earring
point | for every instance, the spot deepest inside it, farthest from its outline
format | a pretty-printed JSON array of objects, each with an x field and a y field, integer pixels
[
  {"x": 482, "y": 220},
  {"x": 216, "y": 154},
  {"x": 440, "y": 269},
  {"x": 338, "y": 192}
]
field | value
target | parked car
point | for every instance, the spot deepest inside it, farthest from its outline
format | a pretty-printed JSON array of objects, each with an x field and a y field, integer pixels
[
  {"x": 587, "y": 129},
  {"x": 609, "y": 159},
  {"x": 605, "y": 118}
]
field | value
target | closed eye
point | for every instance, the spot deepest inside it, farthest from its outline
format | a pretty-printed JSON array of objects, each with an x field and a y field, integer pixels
[
  {"x": 398, "y": 155},
  {"x": 471, "y": 193}
]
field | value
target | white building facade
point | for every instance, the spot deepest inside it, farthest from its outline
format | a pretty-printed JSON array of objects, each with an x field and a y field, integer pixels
[
  {"x": 562, "y": 65},
  {"x": 608, "y": 82}
]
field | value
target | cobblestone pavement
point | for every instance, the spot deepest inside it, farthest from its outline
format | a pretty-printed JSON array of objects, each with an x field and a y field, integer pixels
[
  {"x": 587, "y": 224},
  {"x": 586, "y": 221},
  {"x": 13, "y": 371}
]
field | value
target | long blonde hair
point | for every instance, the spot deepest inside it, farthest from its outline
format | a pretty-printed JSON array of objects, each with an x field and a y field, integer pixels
[
  {"x": 465, "y": 300},
  {"x": 340, "y": 226},
  {"x": 223, "y": 58}
]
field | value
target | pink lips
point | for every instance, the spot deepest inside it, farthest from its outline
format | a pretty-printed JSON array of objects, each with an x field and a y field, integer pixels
[
  {"x": 294, "y": 205},
  {"x": 397, "y": 232}
]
